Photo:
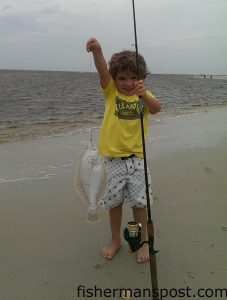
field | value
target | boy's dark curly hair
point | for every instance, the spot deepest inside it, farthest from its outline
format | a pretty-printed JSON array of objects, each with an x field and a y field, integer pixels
[{"x": 126, "y": 61}]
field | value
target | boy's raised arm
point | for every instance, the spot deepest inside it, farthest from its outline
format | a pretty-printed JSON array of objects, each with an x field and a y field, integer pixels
[{"x": 100, "y": 62}]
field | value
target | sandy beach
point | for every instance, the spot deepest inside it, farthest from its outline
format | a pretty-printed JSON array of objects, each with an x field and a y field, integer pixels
[{"x": 47, "y": 249}]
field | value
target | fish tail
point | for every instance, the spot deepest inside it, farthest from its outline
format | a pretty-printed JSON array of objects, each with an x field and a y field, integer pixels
[{"x": 92, "y": 216}]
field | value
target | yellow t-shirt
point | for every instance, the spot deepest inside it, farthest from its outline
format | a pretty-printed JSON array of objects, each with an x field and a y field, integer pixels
[{"x": 120, "y": 134}]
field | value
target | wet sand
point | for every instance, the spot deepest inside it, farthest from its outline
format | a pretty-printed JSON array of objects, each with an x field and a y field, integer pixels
[{"x": 47, "y": 250}]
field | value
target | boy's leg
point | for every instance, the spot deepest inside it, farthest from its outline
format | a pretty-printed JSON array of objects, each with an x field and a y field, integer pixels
[
  {"x": 140, "y": 216},
  {"x": 110, "y": 249}
]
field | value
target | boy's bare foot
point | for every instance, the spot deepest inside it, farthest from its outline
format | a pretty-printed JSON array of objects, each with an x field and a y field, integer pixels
[
  {"x": 143, "y": 254},
  {"x": 110, "y": 249}
]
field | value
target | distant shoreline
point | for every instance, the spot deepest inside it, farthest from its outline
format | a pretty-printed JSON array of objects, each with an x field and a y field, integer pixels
[{"x": 87, "y": 72}]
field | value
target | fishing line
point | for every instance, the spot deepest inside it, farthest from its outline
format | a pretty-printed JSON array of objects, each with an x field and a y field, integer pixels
[
  {"x": 91, "y": 87},
  {"x": 90, "y": 69}
]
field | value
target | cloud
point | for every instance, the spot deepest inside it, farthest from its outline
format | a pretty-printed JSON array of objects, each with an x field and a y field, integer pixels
[
  {"x": 52, "y": 34},
  {"x": 13, "y": 24},
  {"x": 29, "y": 17},
  {"x": 5, "y": 7}
]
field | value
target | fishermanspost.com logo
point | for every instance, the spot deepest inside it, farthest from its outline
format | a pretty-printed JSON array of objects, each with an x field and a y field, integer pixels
[{"x": 95, "y": 292}]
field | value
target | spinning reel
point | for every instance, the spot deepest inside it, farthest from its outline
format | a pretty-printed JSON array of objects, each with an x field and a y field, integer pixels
[{"x": 132, "y": 234}]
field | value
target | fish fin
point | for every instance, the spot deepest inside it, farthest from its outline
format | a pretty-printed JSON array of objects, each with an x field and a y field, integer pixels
[
  {"x": 78, "y": 185},
  {"x": 104, "y": 181},
  {"x": 92, "y": 216}
]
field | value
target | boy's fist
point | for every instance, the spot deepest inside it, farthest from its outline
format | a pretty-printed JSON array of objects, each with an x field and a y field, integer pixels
[{"x": 92, "y": 45}]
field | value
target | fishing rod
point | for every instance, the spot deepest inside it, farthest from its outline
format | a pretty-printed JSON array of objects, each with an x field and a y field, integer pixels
[{"x": 133, "y": 232}]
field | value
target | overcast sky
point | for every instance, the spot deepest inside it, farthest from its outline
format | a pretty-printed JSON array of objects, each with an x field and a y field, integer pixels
[{"x": 175, "y": 36}]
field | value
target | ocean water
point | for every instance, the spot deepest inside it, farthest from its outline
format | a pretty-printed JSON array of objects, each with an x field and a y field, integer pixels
[{"x": 42, "y": 103}]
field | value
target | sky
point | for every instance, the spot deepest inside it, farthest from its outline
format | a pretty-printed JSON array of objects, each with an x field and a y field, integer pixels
[{"x": 174, "y": 36}]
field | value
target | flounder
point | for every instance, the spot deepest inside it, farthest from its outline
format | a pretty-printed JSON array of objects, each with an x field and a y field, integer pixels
[{"x": 91, "y": 181}]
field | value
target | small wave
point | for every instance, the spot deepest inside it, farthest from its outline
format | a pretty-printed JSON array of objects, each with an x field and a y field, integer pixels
[
  {"x": 45, "y": 130},
  {"x": 7, "y": 180}
]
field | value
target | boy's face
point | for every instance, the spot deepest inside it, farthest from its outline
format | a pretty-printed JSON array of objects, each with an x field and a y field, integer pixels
[{"x": 126, "y": 82}]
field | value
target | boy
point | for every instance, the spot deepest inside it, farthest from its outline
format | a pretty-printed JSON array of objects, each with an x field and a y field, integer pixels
[{"x": 120, "y": 140}]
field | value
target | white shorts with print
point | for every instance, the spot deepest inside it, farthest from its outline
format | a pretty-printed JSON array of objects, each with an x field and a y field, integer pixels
[{"x": 126, "y": 183}]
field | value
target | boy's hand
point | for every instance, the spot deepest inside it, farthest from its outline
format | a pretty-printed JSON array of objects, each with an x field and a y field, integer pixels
[
  {"x": 140, "y": 89},
  {"x": 92, "y": 45},
  {"x": 151, "y": 102}
]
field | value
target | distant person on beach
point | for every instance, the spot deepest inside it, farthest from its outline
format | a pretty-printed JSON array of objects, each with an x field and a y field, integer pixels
[{"x": 120, "y": 140}]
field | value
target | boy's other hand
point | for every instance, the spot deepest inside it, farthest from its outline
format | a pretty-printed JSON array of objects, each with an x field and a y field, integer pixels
[{"x": 140, "y": 89}]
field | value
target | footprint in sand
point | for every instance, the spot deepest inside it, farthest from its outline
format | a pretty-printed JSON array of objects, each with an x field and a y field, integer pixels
[
  {"x": 224, "y": 228},
  {"x": 189, "y": 274},
  {"x": 98, "y": 266},
  {"x": 208, "y": 170}
]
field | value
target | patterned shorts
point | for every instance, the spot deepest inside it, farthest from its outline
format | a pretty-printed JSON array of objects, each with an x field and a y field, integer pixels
[{"x": 126, "y": 183}]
